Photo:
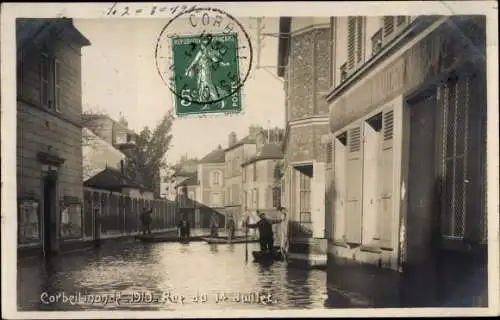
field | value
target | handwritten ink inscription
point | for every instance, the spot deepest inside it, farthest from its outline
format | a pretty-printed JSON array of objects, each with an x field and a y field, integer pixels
[{"x": 119, "y": 10}]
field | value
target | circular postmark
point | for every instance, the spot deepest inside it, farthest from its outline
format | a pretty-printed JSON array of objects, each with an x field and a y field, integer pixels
[{"x": 204, "y": 56}]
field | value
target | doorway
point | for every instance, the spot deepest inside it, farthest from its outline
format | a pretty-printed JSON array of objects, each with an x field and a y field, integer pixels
[
  {"x": 421, "y": 177},
  {"x": 49, "y": 208}
]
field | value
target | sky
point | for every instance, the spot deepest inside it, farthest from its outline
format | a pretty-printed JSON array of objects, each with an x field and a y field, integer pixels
[{"x": 120, "y": 78}]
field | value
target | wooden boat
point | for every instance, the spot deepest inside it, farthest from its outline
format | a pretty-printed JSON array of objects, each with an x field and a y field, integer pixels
[
  {"x": 224, "y": 240},
  {"x": 165, "y": 238},
  {"x": 267, "y": 256}
]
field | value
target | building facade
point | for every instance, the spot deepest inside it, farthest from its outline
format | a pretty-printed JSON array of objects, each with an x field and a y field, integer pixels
[
  {"x": 98, "y": 154},
  {"x": 188, "y": 199},
  {"x": 305, "y": 63},
  {"x": 115, "y": 133},
  {"x": 236, "y": 153},
  {"x": 211, "y": 171},
  {"x": 49, "y": 133},
  {"x": 407, "y": 147}
]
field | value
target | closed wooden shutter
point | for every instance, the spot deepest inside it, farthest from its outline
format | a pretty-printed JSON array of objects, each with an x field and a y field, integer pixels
[
  {"x": 354, "y": 185},
  {"x": 329, "y": 192},
  {"x": 351, "y": 42},
  {"x": 388, "y": 25},
  {"x": 339, "y": 187},
  {"x": 385, "y": 185},
  {"x": 359, "y": 39}
]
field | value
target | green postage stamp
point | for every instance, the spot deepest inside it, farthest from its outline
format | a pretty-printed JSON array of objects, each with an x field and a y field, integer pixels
[{"x": 205, "y": 74}]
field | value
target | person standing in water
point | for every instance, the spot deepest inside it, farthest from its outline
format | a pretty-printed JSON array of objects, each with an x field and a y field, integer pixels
[
  {"x": 184, "y": 228},
  {"x": 146, "y": 220},
  {"x": 214, "y": 225},
  {"x": 231, "y": 226},
  {"x": 265, "y": 227}
]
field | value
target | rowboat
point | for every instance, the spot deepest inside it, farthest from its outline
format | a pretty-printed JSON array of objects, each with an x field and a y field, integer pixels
[
  {"x": 164, "y": 238},
  {"x": 267, "y": 256},
  {"x": 225, "y": 240}
]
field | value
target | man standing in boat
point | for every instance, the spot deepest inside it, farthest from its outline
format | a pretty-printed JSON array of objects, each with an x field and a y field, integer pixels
[{"x": 265, "y": 227}]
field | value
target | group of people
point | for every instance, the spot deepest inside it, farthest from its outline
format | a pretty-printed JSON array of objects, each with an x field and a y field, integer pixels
[{"x": 264, "y": 225}]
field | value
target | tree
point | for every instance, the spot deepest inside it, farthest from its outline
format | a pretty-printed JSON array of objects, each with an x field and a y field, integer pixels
[{"x": 146, "y": 159}]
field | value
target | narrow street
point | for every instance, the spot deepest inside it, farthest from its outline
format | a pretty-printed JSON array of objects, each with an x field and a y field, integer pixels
[{"x": 178, "y": 269}]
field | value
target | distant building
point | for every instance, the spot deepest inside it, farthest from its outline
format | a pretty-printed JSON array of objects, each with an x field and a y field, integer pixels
[
  {"x": 113, "y": 180},
  {"x": 167, "y": 184},
  {"x": 188, "y": 194},
  {"x": 236, "y": 153},
  {"x": 259, "y": 177},
  {"x": 113, "y": 132},
  {"x": 49, "y": 132},
  {"x": 211, "y": 173},
  {"x": 98, "y": 154}
]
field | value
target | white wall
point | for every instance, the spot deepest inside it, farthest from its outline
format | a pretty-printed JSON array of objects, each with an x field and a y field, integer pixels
[{"x": 97, "y": 154}]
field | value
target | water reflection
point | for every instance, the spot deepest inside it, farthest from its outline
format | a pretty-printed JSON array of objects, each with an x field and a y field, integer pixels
[{"x": 194, "y": 269}]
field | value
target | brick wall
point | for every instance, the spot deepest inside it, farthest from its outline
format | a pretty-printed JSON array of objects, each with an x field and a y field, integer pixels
[{"x": 309, "y": 77}]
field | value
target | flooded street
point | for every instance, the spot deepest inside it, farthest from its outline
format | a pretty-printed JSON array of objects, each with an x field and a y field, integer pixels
[{"x": 153, "y": 276}]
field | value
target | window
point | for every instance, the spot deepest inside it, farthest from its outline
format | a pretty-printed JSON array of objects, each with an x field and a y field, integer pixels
[
  {"x": 343, "y": 72},
  {"x": 215, "y": 178},
  {"x": 50, "y": 78},
  {"x": 355, "y": 35},
  {"x": 392, "y": 25},
  {"x": 305, "y": 204},
  {"x": 458, "y": 129},
  {"x": 377, "y": 42}
]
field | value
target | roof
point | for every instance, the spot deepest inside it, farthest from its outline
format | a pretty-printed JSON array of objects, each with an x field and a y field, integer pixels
[
  {"x": 283, "y": 44},
  {"x": 36, "y": 29},
  {"x": 269, "y": 151},
  {"x": 184, "y": 173},
  {"x": 92, "y": 116},
  {"x": 216, "y": 156},
  {"x": 111, "y": 179},
  {"x": 246, "y": 140},
  {"x": 191, "y": 181}
]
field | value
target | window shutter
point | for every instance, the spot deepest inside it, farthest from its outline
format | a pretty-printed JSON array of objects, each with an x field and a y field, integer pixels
[
  {"x": 339, "y": 185},
  {"x": 44, "y": 78},
  {"x": 329, "y": 191},
  {"x": 329, "y": 152},
  {"x": 351, "y": 42},
  {"x": 57, "y": 85},
  {"x": 359, "y": 39},
  {"x": 354, "y": 186},
  {"x": 385, "y": 210},
  {"x": 388, "y": 25}
]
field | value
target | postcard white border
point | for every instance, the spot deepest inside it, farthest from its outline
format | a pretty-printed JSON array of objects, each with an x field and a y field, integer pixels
[{"x": 9, "y": 11}]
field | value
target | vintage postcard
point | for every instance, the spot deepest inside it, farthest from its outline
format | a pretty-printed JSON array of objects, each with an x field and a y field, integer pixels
[{"x": 249, "y": 159}]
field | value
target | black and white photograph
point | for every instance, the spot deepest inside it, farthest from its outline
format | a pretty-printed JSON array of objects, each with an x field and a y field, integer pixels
[{"x": 249, "y": 159}]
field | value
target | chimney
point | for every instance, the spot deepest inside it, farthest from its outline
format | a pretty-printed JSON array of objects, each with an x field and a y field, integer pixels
[{"x": 232, "y": 139}]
